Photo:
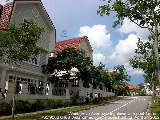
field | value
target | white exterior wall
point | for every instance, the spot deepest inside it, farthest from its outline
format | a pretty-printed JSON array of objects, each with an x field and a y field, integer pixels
[
  {"x": 20, "y": 12},
  {"x": 85, "y": 45},
  {"x": 24, "y": 11}
]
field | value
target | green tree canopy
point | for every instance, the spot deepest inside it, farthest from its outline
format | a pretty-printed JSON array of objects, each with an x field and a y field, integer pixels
[
  {"x": 144, "y": 58},
  {"x": 19, "y": 42},
  {"x": 99, "y": 75},
  {"x": 119, "y": 76},
  {"x": 66, "y": 60}
]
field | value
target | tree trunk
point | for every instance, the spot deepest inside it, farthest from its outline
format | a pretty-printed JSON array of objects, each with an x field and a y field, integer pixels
[
  {"x": 13, "y": 106},
  {"x": 14, "y": 96},
  {"x": 156, "y": 45}
]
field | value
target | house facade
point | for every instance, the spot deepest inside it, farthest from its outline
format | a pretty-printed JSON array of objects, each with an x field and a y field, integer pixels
[{"x": 32, "y": 83}]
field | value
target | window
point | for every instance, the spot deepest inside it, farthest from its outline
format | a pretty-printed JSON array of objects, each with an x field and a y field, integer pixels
[
  {"x": 34, "y": 60},
  {"x": 32, "y": 89},
  {"x": 75, "y": 83},
  {"x": 51, "y": 54},
  {"x": 84, "y": 53},
  {"x": 18, "y": 88},
  {"x": 20, "y": 79},
  {"x": 34, "y": 86}
]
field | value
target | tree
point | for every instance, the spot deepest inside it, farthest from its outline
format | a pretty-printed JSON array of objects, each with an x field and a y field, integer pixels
[
  {"x": 98, "y": 75},
  {"x": 144, "y": 13},
  {"x": 66, "y": 60},
  {"x": 18, "y": 44},
  {"x": 145, "y": 60},
  {"x": 140, "y": 86},
  {"x": 151, "y": 78},
  {"x": 118, "y": 77}
]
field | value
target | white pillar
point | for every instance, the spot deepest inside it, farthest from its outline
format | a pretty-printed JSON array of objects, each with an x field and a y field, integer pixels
[
  {"x": 104, "y": 89},
  {"x": 67, "y": 94},
  {"x": 50, "y": 96},
  {"x": 107, "y": 89},
  {"x": 44, "y": 87},
  {"x": 3, "y": 79}
]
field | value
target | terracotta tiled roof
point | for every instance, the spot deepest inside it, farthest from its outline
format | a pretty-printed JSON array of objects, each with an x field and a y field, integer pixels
[
  {"x": 72, "y": 43},
  {"x": 132, "y": 87},
  {"x": 6, "y": 15},
  {"x": 110, "y": 73},
  {"x": 126, "y": 84}
]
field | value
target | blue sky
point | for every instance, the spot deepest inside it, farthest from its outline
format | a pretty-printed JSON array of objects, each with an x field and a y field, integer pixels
[{"x": 111, "y": 46}]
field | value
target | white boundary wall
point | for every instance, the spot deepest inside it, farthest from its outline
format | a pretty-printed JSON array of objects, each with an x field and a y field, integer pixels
[{"x": 61, "y": 92}]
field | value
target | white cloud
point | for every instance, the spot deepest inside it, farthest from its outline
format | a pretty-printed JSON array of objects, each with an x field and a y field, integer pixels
[
  {"x": 125, "y": 51},
  {"x": 100, "y": 42},
  {"x": 97, "y": 35},
  {"x": 97, "y": 58},
  {"x": 130, "y": 27},
  {"x": 125, "y": 48},
  {"x": 135, "y": 72}
]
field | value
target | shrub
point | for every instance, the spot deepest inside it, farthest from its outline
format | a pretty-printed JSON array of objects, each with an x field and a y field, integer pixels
[
  {"x": 59, "y": 103},
  {"x": 37, "y": 105},
  {"x": 26, "y": 107},
  {"x": 74, "y": 100},
  {"x": 51, "y": 104},
  {"x": 67, "y": 103},
  {"x": 5, "y": 108},
  {"x": 22, "y": 106}
]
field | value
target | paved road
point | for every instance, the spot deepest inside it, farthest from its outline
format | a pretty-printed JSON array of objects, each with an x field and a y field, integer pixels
[{"x": 130, "y": 108}]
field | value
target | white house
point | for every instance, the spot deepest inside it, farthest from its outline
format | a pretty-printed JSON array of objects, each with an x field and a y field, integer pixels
[{"x": 30, "y": 78}]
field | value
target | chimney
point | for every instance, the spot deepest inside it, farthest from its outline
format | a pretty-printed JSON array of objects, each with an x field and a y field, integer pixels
[{"x": 1, "y": 9}]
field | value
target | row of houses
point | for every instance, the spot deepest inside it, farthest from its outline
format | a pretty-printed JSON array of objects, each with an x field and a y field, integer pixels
[{"x": 32, "y": 83}]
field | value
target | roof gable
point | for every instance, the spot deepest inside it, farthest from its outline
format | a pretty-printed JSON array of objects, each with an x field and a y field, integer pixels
[
  {"x": 8, "y": 10},
  {"x": 72, "y": 43}
]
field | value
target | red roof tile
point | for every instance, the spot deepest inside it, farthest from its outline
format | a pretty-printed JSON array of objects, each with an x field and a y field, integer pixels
[
  {"x": 6, "y": 15},
  {"x": 132, "y": 87},
  {"x": 72, "y": 43},
  {"x": 126, "y": 84},
  {"x": 110, "y": 73}
]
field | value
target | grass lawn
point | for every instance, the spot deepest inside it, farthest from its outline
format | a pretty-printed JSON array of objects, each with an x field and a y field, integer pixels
[
  {"x": 64, "y": 111},
  {"x": 155, "y": 109}
]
